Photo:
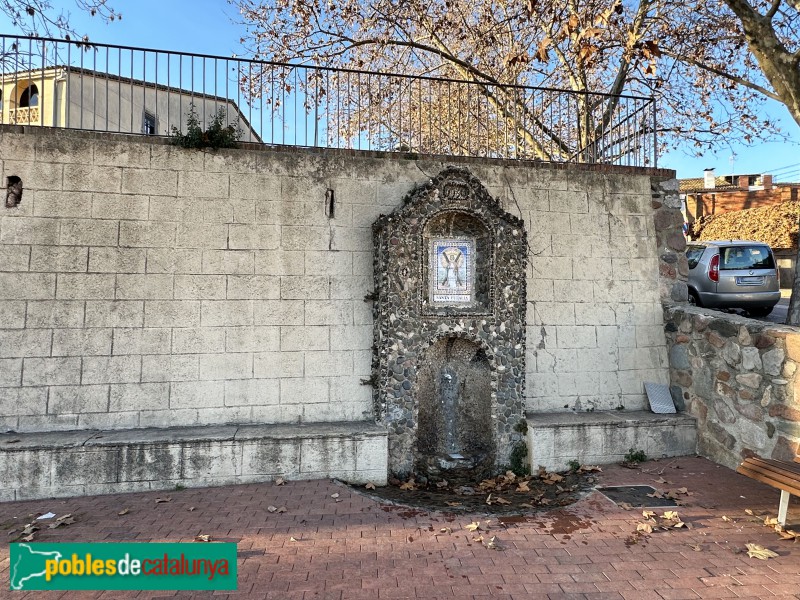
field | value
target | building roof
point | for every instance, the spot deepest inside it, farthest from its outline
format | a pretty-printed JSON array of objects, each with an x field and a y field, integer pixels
[{"x": 697, "y": 184}]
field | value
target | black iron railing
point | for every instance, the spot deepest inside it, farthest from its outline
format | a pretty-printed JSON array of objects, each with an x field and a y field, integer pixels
[{"x": 122, "y": 89}]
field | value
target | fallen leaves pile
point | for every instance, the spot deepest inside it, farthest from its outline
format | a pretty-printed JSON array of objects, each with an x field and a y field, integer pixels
[
  {"x": 664, "y": 522},
  {"x": 28, "y": 530},
  {"x": 476, "y": 529},
  {"x": 542, "y": 488},
  {"x": 783, "y": 533},
  {"x": 775, "y": 225}
]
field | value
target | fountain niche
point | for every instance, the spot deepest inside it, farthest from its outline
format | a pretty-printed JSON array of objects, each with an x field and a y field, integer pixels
[
  {"x": 454, "y": 398},
  {"x": 449, "y": 352}
]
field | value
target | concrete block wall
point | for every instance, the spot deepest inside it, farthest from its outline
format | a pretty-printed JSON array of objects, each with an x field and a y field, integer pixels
[
  {"x": 78, "y": 463},
  {"x": 595, "y": 325},
  {"x": 145, "y": 285},
  {"x": 605, "y": 437}
]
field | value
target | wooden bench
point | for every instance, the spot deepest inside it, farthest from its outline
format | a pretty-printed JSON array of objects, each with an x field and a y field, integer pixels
[{"x": 779, "y": 474}]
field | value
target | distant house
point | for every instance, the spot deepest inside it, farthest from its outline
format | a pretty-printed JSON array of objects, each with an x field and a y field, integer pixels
[
  {"x": 86, "y": 99},
  {"x": 712, "y": 195},
  {"x": 745, "y": 207}
]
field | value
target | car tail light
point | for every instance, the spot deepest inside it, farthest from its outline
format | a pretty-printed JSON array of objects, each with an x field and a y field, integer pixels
[{"x": 713, "y": 268}]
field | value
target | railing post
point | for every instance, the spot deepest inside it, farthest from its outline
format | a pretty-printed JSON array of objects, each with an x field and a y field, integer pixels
[{"x": 655, "y": 133}]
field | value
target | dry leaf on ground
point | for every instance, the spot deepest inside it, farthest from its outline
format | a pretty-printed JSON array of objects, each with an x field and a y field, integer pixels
[
  {"x": 589, "y": 469},
  {"x": 370, "y": 486},
  {"x": 124, "y": 511},
  {"x": 493, "y": 544},
  {"x": 759, "y": 552},
  {"x": 280, "y": 481},
  {"x": 202, "y": 538},
  {"x": 474, "y": 526},
  {"x": 165, "y": 499}
]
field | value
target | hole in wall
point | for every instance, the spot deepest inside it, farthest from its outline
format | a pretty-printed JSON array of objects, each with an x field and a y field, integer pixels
[
  {"x": 13, "y": 191},
  {"x": 330, "y": 204}
]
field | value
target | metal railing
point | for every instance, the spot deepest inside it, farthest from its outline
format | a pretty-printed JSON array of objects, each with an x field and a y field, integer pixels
[{"x": 123, "y": 89}]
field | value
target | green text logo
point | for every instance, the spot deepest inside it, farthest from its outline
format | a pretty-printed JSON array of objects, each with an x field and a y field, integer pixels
[{"x": 41, "y": 566}]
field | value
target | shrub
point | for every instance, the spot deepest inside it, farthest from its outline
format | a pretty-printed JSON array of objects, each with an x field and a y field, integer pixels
[
  {"x": 218, "y": 135},
  {"x": 635, "y": 456}
]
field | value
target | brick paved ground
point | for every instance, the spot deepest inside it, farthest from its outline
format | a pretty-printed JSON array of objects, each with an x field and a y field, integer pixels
[{"x": 359, "y": 548}]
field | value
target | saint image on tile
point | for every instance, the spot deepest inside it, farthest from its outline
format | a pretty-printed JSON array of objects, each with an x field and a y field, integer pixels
[{"x": 452, "y": 269}]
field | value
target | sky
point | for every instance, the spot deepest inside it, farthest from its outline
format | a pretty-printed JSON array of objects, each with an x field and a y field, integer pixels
[{"x": 209, "y": 27}]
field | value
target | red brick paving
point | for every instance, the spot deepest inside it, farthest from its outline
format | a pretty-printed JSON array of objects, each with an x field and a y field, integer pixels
[{"x": 358, "y": 548}]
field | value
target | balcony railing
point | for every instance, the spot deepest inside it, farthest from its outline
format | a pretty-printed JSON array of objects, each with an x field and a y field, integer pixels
[
  {"x": 24, "y": 116},
  {"x": 143, "y": 91}
]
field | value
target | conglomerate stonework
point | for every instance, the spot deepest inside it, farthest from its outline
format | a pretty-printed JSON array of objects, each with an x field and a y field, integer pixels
[
  {"x": 406, "y": 324},
  {"x": 738, "y": 377}
]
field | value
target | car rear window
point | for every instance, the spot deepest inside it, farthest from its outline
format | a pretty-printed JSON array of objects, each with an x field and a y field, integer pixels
[
  {"x": 693, "y": 254},
  {"x": 745, "y": 257}
]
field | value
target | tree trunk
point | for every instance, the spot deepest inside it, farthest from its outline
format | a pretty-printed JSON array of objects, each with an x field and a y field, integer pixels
[
  {"x": 793, "y": 314},
  {"x": 780, "y": 66}
]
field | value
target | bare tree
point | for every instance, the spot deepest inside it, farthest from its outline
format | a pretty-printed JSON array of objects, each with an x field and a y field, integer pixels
[
  {"x": 586, "y": 46},
  {"x": 771, "y": 31},
  {"x": 46, "y": 18}
]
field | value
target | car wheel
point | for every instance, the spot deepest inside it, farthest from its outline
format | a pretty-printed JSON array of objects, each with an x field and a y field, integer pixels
[
  {"x": 694, "y": 299},
  {"x": 761, "y": 311}
]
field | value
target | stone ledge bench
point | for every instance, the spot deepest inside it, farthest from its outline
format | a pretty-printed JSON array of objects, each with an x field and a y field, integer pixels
[
  {"x": 604, "y": 437},
  {"x": 77, "y": 463}
]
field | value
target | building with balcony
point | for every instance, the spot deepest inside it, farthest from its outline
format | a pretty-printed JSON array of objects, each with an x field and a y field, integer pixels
[{"x": 79, "y": 98}]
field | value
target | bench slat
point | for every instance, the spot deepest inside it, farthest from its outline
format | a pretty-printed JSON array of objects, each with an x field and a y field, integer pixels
[
  {"x": 788, "y": 486},
  {"x": 776, "y": 480},
  {"x": 779, "y": 474},
  {"x": 785, "y": 468}
]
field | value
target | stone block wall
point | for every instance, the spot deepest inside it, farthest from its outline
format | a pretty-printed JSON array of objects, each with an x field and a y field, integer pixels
[
  {"x": 739, "y": 378},
  {"x": 145, "y": 285},
  {"x": 603, "y": 256}
]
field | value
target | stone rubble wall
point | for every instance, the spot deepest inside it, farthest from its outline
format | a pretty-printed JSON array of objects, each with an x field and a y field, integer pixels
[
  {"x": 739, "y": 378},
  {"x": 146, "y": 285}
]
